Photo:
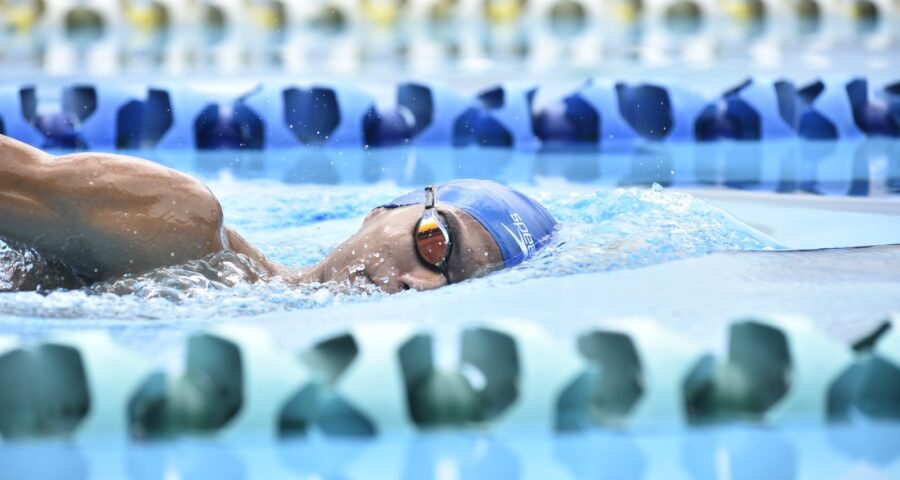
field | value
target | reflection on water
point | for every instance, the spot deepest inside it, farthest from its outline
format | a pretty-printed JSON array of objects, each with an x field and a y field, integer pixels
[
  {"x": 867, "y": 167},
  {"x": 730, "y": 452},
  {"x": 44, "y": 461},
  {"x": 740, "y": 455},
  {"x": 880, "y": 445},
  {"x": 198, "y": 461},
  {"x": 609, "y": 456},
  {"x": 459, "y": 456}
]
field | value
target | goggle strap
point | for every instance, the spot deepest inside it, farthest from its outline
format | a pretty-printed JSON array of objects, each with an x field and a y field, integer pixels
[
  {"x": 429, "y": 205},
  {"x": 429, "y": 197}
]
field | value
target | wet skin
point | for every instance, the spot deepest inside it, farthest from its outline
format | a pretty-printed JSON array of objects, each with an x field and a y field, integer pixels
[{"x": 107, "y": 215}]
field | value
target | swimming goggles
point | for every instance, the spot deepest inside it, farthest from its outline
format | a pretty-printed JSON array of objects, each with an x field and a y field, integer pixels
[{"x": 432, "y": 237}]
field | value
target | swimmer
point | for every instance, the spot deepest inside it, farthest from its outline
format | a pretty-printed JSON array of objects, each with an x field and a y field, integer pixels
[{"x": 105, "y": 216}]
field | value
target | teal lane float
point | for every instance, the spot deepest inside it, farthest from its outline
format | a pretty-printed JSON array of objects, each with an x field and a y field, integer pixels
[{"x": 396, "y": 378}]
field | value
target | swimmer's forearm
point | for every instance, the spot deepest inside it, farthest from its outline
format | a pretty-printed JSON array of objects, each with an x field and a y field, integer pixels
[{"x": 238, "y": 244}]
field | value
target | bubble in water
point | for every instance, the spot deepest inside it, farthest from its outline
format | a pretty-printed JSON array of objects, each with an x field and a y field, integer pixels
[{"x": 357, "y": 268}]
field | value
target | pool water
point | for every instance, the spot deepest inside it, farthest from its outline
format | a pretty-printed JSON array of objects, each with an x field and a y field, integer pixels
[
  {"x": 692, "y": 235},
  {"x": 601, "y": 230},
  {"x": 617, "y": 220},
  {"x": 740, "y": 453}
]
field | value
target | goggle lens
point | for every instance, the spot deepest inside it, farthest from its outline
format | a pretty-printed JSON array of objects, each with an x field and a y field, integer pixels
[{"x": 432, "y": 239}]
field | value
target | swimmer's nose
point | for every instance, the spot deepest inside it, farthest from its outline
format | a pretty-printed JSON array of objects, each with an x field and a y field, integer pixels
[{"x": 425, "y": 280}]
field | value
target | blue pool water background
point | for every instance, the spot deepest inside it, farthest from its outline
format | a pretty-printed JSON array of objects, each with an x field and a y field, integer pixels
[
  {"x": 600, "y": 230},
  {"x": 644, "y": 232},
  {"x": 619, "y": 209},
  {"x": 622, "y": 210},
  {"x": 736, "y": 452}
]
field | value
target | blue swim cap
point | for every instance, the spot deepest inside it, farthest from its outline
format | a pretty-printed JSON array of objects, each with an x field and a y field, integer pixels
[{"x": 519, "y": 225}]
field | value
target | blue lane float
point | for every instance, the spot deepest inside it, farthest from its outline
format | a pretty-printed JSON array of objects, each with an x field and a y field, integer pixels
[
  {"x": 499, "y": 117},
  {"x": 141, "y": 123},
  {"x": 398, "y": 125},
  {"x": 423, "y": 114},
  {"x": 647, "y": 109},
  {"x": 730, "y": 117},
  {"x": 892, "y": 92},
  {"x": 313, "y": 115},
  {"x": 602, "y": 97},
  {"x": 872, "y": 115},
  {"x": 820, "y": 110},
  {"x": 571, "y": 123},
  {"x": 598, "y": 114},
  {"x": 229, "y": 127},
  {"x": 749, "y": 111}
]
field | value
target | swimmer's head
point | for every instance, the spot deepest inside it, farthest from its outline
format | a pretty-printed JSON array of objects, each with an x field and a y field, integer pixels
[{"x": 490, "y": 227}]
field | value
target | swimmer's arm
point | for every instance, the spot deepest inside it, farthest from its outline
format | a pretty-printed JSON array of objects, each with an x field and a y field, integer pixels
[
  {"x": 238, "y": 244},
  {"x": 105, "y": 214}
]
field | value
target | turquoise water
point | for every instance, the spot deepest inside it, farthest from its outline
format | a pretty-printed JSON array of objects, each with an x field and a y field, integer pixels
[
  {"x": 601, "y": 230},
  {"x": 740, "y": 453},
  {"x": 643, "y": 232},
  {"x": 856, "y": 167},
  {"x": 621, "y": 210}
]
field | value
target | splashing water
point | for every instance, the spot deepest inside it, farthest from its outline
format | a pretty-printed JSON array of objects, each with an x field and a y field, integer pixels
[
  {"x": 630, "y": 228},
  {"x": 600, "y": 231}
]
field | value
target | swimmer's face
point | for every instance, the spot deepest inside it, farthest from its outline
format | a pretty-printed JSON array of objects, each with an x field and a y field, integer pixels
[{"x": 383, "y": 252}]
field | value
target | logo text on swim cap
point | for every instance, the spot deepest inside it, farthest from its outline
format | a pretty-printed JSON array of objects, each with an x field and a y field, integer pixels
[{"x": 522, "y": 236}]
